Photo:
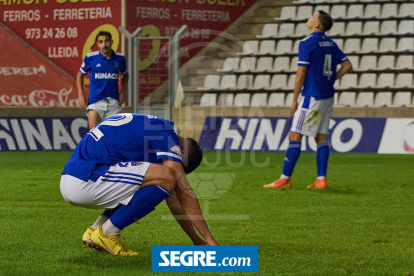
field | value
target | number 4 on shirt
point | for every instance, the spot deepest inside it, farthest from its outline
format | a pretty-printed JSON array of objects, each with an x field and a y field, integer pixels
[{"x": 327, "y": 66}]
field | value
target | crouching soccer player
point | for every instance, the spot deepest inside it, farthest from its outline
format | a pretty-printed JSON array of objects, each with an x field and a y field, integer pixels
[
  {"x": 114, "y": 168},
  {"x": 318, "y": 58}
]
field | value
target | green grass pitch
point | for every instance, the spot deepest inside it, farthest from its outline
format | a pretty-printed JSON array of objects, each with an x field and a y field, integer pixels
[{"x": 362, "y": 225}]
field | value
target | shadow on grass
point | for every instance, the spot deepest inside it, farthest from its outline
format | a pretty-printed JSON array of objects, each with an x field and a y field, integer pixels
[
  {"x": 345, "y": 191},
  {"x": 101, "y": 260}
]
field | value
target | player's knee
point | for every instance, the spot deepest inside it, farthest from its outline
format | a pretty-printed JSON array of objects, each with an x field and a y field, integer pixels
[
  {"x": 294, "y": 136},
  {"x": 320, "y": 138},
  {"x": 169, "y": 179}
]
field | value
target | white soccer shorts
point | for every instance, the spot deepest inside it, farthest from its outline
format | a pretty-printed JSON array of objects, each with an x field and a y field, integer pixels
[
  {"x": 117, "y": 186},
  {"x": 105, "y": 108},
  {"x": 312, "y": 116}
]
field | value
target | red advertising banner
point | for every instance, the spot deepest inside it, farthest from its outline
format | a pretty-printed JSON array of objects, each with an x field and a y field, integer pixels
[
  {"x": 206, "y": 19},
  {"x": 62, "y": 30},
  {"x": 27, "y": 79}
]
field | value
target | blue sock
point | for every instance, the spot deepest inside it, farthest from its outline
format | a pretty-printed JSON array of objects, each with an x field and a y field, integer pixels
[
  {"x": 322, "y": 156},
  {"x": 291, "y": 157},
  {"x": 142, "y": 203},
  {"x": 110, "y": 212}
]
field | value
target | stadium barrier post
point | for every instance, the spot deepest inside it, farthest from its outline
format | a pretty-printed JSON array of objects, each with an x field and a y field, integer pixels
[{"x": 133, "y": 57}]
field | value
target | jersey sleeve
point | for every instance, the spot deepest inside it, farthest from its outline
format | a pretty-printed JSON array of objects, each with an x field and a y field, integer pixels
[
  {"x": 304, "y": 53},
  {"x": 341, "y": 57},
  {"x": 86, "y": 66},
  {"x": 123, "y": 66},
  {"x": 166, "y": 146}
]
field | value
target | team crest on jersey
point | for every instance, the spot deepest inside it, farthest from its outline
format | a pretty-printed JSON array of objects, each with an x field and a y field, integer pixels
[
  {"x": 116, "y": 64},
  {"x": 176, "y": 149}
]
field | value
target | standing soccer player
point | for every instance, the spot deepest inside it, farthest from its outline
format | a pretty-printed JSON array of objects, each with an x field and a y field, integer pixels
[
  {"x": 104, "y": 99},
  {"x": 315, "y": 78}
]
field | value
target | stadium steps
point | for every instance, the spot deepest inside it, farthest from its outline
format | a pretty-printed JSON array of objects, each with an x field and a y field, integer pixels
[{"x": 247, "y": 27}]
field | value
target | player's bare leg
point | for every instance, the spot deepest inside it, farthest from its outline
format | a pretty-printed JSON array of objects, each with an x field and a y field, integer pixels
[
  {"x": 322, "y": 156},
  {"x": 292, "y": 154},
  {"x": 93, "y": 119},
  {"x": 158, "y": 184}
]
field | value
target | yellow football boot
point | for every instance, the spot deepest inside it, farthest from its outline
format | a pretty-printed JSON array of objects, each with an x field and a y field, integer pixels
[
  {"x": 86, "y": 238},
  {"x": 112, "y": 244}
]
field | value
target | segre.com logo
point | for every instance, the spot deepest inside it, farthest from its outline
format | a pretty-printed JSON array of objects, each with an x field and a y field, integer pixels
[{"x": 223, "y": 258}]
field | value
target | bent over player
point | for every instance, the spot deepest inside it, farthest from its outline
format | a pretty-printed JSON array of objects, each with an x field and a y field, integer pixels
[
  {"x": 114, "y": 168},
  {"x": 105, "y": 65},
  {"x": 318, "y": 59}
]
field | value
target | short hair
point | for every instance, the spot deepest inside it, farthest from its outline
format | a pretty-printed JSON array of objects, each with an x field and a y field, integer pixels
[
  {"x": 194, "y": 153},
  {"x": 101, "y": 33},
  {"x": 326, "y": 20}
]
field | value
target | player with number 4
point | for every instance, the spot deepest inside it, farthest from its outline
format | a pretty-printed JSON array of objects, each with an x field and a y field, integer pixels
[{"x": 318, "y": 59}]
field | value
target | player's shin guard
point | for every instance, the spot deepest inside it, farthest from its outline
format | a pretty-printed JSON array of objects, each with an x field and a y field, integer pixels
[
  {"x": 291, "y": 157},
  {"x": 322, "y": 156},
  {"x": 110, "y": 212},
  {"x": 142, "y": 203}
]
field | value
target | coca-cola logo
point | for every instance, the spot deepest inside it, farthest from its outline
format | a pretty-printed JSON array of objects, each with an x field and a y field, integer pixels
[{"x": 41, "y": 98}]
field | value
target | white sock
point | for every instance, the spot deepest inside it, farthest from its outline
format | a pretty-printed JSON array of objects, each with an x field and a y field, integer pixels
[
  {"x": 101, "y": 220},
  {"x": 109, "y": 229},
  {"x": 320, "y": 177},
  {"x": 284, "y": 176}
]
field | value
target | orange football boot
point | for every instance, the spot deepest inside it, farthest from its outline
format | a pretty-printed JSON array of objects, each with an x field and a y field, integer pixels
[
  {"x": 319, "y": 184},
  {"x": 280, "y": 184}
]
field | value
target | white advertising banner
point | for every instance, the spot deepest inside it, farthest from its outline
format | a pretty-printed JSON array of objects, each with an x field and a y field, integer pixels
[{"x": 398, "y": 137}]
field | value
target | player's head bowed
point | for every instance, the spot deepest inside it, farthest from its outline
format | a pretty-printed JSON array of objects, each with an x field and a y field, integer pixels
[{"x": 191, "y": 154}]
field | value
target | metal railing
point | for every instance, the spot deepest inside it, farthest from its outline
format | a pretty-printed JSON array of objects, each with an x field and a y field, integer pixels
[{"x": 173, "y": 52}]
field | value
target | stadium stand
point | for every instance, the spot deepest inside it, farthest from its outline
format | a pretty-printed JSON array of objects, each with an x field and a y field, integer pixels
[{"x": 378, "y": 38}]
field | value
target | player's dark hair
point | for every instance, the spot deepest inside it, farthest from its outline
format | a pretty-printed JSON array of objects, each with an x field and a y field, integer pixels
[
  {"x": 326, "y": 20},
  {"x": 108, "y": 34},
  {"x": 195, "y": 155}
]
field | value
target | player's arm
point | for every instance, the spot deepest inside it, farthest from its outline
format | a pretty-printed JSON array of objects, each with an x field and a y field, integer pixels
[
  {"x": 299, "y": 79},
  {"x": 189, "y": 201},
  {"x": 345, "y": 68},
  {"x": 124, "y": 88},
  {"x": 81, "y": 96},
  {"x": 83, "y": 70},
  {"x": 182, "y": 219}
]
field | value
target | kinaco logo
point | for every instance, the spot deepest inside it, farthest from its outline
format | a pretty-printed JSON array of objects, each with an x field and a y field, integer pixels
[{"x": 205, "y": 258}]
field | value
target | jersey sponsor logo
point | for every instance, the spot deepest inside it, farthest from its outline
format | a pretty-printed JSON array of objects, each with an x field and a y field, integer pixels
[
  {"x": 176, "y": 149},
  {"x": 325, "y": 44},
  {"x": 106, "y": 76}
]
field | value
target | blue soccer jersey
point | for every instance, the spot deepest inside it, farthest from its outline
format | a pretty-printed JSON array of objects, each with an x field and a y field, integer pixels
[
  {"x": 104, "y": 75},
  {"x": 321, "y": 55},
  {"x": 123, "y": 138}
]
